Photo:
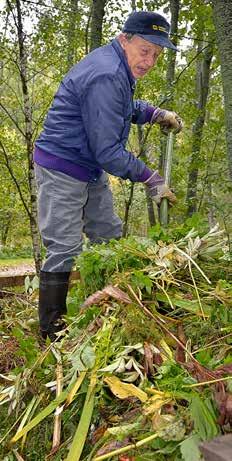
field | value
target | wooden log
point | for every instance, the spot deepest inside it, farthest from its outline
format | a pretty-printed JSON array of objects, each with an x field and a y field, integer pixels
[
  {"x": 18, "y": 280},
  {"x": 218, "y": 449}
]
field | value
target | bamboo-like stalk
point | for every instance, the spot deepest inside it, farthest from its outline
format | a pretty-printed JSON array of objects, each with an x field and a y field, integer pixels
[
  {"x": 18, "y": 456},
  {"x": 197, "y": 293},
  {"x": 59, "y": 409},
  {"x": 83, "y": 426},
  {"x": 211, "y": 381},
  {"x": 44, "y": 413},
  {"x": 193, "y": 262},
  {"x": 161, "y": 323},
  {"x": 132, "y": 446}
]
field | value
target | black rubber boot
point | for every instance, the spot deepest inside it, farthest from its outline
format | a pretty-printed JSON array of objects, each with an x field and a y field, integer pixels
[{"x": 52, "y": 302}]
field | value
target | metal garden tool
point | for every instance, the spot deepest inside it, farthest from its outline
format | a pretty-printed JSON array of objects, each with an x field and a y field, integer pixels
[{"x": 167, "y": 178}]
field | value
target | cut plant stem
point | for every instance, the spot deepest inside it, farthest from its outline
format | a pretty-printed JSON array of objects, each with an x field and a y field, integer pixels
[
  {"x": 161, "y": 324},
  {"x": 59, "y": 409},
  {"x": 18, "y": 456},
  {"x": 132, "y": 446},
  {"x": 85, "y": 420},
  {"x": 194, "y": 263},
  {"x": 212, "y": 381},
  {"x": 212, "y": 343},
  {"x": 197, "y": 293}
]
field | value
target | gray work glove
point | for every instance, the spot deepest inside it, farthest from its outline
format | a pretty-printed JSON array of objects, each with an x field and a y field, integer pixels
[
  {"x": 167, "y": 120},
  {"x": 158, "y": 189}
]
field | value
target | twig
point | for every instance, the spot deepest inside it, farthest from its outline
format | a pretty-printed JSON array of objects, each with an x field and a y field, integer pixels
[
  {"x": 212, "y": 343},
  {"x": 161, "y": 324}
]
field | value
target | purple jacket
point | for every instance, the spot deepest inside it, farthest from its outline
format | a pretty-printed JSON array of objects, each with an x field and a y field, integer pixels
[{"x": 88, "y": 124}]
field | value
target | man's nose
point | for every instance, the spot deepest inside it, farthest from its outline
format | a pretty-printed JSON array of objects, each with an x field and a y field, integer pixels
[{"x": 150, "y": 61}]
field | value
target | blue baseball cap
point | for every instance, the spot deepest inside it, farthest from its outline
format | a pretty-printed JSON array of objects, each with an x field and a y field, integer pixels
[{"x": 150, "y": 26}]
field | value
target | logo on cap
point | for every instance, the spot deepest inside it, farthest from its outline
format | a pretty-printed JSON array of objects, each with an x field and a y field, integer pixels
[{"x": 159, "y": 28}]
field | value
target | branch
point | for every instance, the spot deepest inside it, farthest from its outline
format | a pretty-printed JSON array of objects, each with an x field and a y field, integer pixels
[
  {"x": 7, "y": 163},
  {"x": 5, "y": 82},
  {"x": 13, "y": 120},
  {"x": 189, "y": 63}
]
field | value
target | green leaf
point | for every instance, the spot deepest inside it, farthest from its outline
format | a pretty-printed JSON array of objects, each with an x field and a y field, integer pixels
[
  {"x": 27, "y": 283},
  {"x": 204, "y": 418},
  {"x": 88, "y": 357},
  {"x": 83, "y": 426},
  {"x": 189, "y": 449}
]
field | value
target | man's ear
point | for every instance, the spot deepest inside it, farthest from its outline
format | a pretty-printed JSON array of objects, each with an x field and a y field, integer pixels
[{"x": 122, "y": 40}]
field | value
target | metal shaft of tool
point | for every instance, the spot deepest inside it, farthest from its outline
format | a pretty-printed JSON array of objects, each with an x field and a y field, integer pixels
[{"x": 167, "y": 179}]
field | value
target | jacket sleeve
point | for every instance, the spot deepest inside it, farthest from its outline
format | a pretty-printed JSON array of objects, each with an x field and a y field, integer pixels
[
  {"x": 142, "y": 112},
  {"x": 104, "y": 117}
]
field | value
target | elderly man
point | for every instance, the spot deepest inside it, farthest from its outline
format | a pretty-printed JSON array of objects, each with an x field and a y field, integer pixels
[{"x": 84, "y": 136}]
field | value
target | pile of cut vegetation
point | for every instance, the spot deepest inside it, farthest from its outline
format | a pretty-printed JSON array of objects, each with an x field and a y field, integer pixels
[{"x": 144, "y": 371}]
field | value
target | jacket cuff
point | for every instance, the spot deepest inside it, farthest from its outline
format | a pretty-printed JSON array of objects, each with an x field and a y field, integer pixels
[
  {"x": 146, "y": 174},
  {"x": 149, "y": 113}
]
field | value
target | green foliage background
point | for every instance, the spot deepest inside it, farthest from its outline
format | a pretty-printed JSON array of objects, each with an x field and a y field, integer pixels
[{"x": 49, "y": 37}]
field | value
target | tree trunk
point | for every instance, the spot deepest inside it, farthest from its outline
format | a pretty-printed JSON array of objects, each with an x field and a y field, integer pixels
[
  {"x": 71, "y": 34},
  {"x": 170, "y": 73},
  {"x": 5, "y": 228},
  {"x": 222, "y": 10},
  {"x": 98, "y": 12},
  {"x": 202, "y": 88},
  {"x": 28, "y": 138},
  {"x": 133, "y": 5}
]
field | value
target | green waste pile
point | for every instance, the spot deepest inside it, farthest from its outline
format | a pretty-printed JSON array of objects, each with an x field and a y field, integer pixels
[{"x": 145, "y": 369}]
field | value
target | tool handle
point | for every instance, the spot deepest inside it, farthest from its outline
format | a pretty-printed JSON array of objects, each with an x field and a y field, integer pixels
[{"x": 167, "y": 179}]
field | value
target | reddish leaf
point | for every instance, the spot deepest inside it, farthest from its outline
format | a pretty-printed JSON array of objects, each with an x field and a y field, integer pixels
[
  {"x": 98, "y": 434},
  {"x": 180, "y": 353},
  {"x": 224, "y": 403},
  {"x": 224, "y": 369},
  {"x": 148, "y": 359},
  {"x": 126, "y": 458},
  {"x": 111, "y": 446},
  {"x": 107, "y": 292},
  {"x": 157, "y": 359}
]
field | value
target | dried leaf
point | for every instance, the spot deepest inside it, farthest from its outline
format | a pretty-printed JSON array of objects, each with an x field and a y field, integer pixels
[
  {"x": 155, "y": 403},
  {"x": 107, "y": 448},
  {"x": 108, "y": 291},
  {"x": 160, "y": 422},
  {"x": 98, "y": 434},
  {"x": 148, "y": 359},
  {"x": 125, "y": 390}
]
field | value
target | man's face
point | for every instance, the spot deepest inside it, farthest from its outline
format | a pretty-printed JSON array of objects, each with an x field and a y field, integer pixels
[{"x": 141, "y": 55}]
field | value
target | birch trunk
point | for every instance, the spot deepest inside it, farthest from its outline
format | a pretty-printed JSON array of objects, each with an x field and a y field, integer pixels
[
  {"x": 71, "y": 34},
  {"x": 170, "y": 73},
  {"x": 223, "y": 21},
  {"x": 202, "y": 88},
  {"x": 28, "y": 138}
]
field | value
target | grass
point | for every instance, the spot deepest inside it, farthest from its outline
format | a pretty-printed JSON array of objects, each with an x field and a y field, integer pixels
[{"x": 15, "y": 261}]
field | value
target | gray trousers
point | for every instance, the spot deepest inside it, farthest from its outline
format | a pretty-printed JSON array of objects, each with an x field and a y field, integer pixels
[{"x": 68, "y": 207}]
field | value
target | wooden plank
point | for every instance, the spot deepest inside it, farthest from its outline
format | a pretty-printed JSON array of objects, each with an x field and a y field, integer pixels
[
  {"x": 218, "y": 449},
  {"x": 18, "y": 280}
]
